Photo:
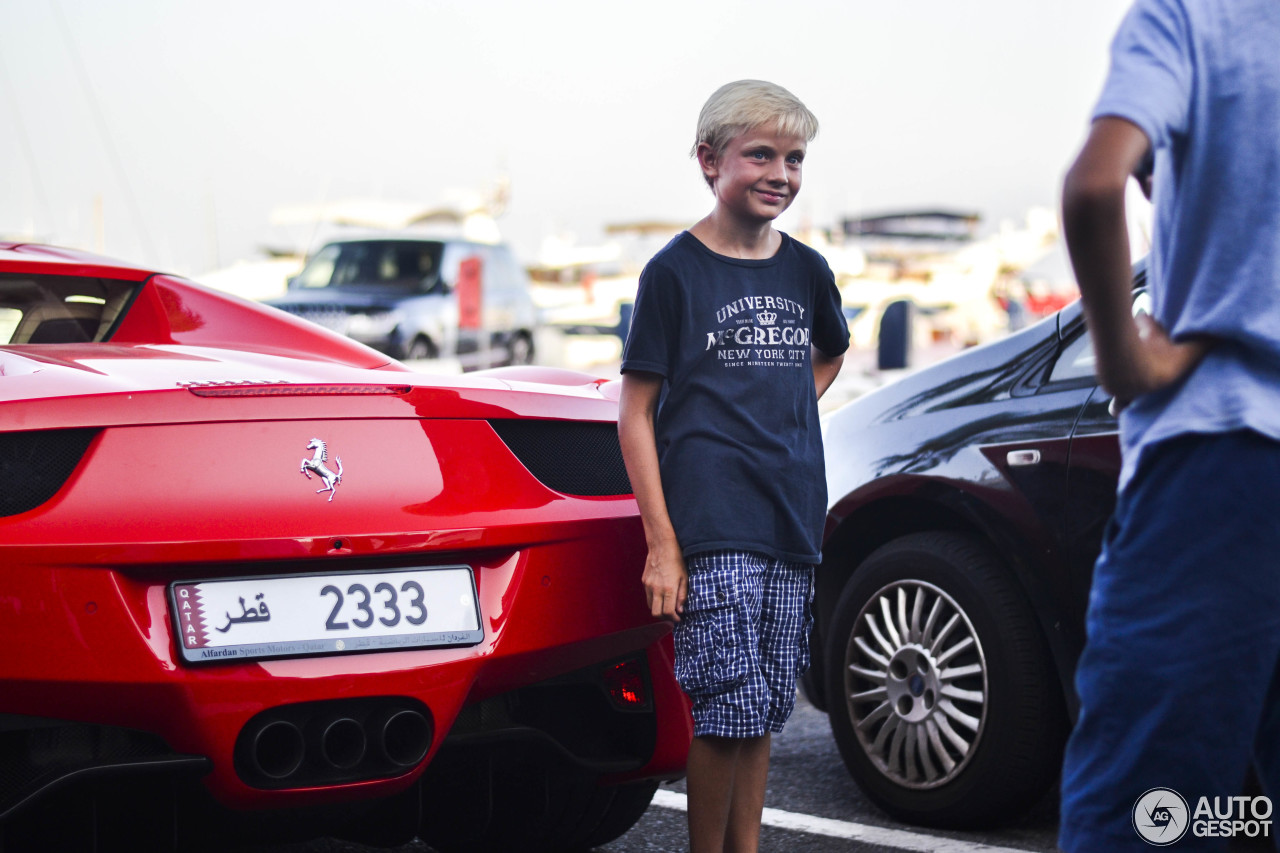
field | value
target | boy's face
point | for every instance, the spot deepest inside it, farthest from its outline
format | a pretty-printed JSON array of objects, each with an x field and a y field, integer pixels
[{"x": 758, "y": 175}]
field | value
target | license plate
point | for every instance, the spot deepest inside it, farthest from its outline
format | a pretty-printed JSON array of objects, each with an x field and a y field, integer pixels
[{"x": 325, "y": 614}]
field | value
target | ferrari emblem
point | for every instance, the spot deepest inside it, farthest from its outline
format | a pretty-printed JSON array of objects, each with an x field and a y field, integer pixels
[{"x": 331, "y": 479}]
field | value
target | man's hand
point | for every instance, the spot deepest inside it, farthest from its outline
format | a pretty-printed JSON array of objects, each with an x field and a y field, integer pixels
[
  {"x": 1156, "y": 362},
  {"x": 666, "y": 582}
]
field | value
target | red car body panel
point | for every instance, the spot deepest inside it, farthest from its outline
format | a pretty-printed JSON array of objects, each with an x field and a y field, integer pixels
[{"x": 202, "y": 406}]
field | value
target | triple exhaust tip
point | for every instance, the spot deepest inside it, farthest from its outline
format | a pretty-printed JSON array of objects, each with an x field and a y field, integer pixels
[{"x": 279, "y": 748}]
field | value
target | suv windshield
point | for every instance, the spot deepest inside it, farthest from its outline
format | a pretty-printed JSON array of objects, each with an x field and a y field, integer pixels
[
  {"x": 408, "y": 265},
  {"x": 56, "y": 309}
]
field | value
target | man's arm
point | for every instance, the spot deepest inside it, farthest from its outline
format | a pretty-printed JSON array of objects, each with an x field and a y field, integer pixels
[
  {"x": 666, "y": 579},
  {"x": 825, "y": 369},
  {"x": 1134, "y": 356}
]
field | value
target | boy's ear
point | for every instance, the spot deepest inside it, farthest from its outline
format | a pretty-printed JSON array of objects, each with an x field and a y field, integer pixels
[{"x": 708, "y": 161}]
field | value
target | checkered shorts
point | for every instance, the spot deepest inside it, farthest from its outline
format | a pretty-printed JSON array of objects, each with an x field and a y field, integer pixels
[{"x": 742, "y": 641}]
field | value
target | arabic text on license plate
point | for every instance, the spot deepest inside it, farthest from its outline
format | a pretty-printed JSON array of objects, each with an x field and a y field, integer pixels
[{"x": 327, "y": 614}]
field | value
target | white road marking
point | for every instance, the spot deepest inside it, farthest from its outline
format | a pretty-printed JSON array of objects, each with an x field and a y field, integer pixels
[{"x": 899, "y": 839}]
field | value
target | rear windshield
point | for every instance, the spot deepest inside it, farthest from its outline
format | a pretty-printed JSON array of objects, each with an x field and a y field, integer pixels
[
  {"x": 409, "y": 265},
  {"x": 56, "y": 309}
]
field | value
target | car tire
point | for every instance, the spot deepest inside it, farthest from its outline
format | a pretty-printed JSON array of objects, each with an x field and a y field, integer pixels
[
  {"x": 940, "y": 690},
  {"x": 421, "y": 348}
]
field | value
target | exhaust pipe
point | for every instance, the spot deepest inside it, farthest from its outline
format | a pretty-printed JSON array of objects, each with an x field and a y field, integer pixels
[
  {"x": 343, "y": 743},
  {"x": 277, "y": 749},
  {"x": 405, "y": 737},
  {"x": 333, "y": 741}
]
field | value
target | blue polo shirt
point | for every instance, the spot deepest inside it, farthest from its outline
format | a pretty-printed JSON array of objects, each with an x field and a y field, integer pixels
[
  {"x": 738, "y": 438},
  {"x": 1202, "y": 79}
]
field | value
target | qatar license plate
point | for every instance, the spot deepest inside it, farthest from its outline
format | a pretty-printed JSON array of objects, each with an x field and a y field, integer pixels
[{"x": 325, "y": 614}]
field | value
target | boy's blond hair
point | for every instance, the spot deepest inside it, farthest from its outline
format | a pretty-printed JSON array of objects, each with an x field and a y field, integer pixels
[{"x": 743, "y": 105}]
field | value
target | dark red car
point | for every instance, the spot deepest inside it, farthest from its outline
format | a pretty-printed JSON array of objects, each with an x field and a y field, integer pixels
[
  {"x": 967, "y": 506},
  {"x": 258, "y": 582}
]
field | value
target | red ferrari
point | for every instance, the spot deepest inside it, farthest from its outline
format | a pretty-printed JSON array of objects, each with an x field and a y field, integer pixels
[{"x": 260, "y": 584}]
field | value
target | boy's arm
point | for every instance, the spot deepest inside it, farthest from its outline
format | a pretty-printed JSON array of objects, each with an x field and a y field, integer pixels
[
  {"x": 666, "y": 579},
  {"x": 825, "y": 369},
  {"x": 1133, "y": 357}
]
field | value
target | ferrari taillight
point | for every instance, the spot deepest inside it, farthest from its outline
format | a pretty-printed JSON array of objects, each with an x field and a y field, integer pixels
[{"x": 626, "y": 685}]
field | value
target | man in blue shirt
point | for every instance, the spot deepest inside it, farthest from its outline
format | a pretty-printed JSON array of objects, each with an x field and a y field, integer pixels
[{"x": 1177, "y": 681}]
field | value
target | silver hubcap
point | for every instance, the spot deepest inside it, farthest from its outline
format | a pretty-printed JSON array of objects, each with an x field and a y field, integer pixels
[{"x": 916, "y": 684}]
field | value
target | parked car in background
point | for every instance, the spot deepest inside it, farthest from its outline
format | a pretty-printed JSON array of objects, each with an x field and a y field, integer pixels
[
  {"x": 967, "y": 506},
  {"x": 260, "y": 582},
  {"x": 414, "y": 297}
]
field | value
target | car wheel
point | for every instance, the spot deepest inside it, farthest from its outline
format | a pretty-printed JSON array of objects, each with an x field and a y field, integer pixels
[
  {"x": 520, "y": 349},
  {"x": 421, "y": 348},
  {"x": 940, "y": 691}
]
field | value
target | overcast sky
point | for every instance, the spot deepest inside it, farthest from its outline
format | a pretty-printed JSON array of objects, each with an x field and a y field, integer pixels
[{"x": 191, "y": 121}]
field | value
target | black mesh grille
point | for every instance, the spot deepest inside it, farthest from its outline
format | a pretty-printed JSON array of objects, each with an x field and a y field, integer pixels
[
  {"x": 32, "y": 760},
  {"x": 572, "y": 457},
  {"x": 34, "y": 465}
]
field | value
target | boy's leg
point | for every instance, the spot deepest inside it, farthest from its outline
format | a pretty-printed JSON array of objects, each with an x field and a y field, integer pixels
[
  {"x": 749, "y": 783},
  {"x": 713, "y": 763},
  {"x": 726, "y": 782},
  {"x": 777, "y": 603},
  {"x": 717, "y": 664},
  {"x": 785, "y": 625}
]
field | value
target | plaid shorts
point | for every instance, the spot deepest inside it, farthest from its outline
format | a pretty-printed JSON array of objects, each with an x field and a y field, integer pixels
[{"x": 742, "y": 641}]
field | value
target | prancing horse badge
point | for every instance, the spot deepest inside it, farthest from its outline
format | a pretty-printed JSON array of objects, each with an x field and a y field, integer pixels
[{"x": 331, "y": 479}]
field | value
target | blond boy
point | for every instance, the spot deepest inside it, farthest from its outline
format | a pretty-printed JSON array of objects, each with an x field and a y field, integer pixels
[{"x": 738, "y": 330}]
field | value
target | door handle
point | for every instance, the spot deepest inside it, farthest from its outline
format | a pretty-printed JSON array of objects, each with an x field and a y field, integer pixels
[{"x": 1023, "y": 458}]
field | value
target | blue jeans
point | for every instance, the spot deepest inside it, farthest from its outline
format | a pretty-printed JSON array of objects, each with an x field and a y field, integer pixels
[{"x": 1178, "y": 680}]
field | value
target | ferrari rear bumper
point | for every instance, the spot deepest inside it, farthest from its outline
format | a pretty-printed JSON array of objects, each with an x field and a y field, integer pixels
[{"x": 94, "y": 655}]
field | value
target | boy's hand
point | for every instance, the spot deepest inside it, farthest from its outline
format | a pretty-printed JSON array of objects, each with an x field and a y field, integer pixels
[{"x": 666, "y": 583}]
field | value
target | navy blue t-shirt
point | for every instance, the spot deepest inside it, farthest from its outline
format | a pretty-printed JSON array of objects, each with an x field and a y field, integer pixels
[{"x": 739, "y": 443}]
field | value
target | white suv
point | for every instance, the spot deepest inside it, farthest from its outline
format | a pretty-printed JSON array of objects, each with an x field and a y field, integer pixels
[{"x": 416, "y": 297}]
